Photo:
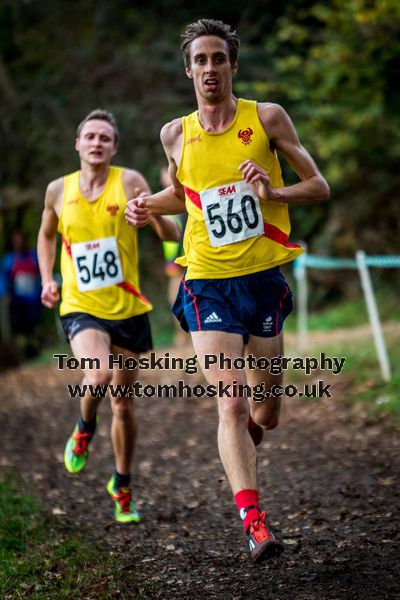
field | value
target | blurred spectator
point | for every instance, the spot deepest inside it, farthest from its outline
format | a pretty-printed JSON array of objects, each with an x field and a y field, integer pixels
[{"x": 20, "y": 287}]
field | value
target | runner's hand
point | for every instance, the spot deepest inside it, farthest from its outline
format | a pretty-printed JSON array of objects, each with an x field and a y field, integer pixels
[
  {"x": 257, "y": 180},
  {"x": 136, "y": 212},
  {"x": 50, "y": 295}
]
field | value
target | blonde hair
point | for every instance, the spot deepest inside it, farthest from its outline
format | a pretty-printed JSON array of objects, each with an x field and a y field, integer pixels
[{"x": 100, "y": 115}]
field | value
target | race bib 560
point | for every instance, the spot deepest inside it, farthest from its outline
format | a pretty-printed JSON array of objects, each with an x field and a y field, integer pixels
[
  {"x": 97, "y": 264},
  {"x": 232, "y": 213}
]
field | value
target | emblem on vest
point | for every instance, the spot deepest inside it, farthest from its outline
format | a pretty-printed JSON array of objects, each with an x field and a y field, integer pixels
[
  {"x": 245, "y": 135},
  {"x": 76, "y": 201},
  {"x": 194, "y": 139},
  {"x": 112, "y": 209}
]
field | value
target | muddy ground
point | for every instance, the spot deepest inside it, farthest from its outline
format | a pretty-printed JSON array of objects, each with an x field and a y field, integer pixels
[{"x": 328, "y": 477}]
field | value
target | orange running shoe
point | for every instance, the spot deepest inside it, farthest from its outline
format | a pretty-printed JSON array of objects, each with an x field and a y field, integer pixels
[{"x": 262, "y": 542}]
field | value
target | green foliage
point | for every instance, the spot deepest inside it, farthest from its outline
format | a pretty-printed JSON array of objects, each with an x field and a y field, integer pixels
[{"x": 333, "y": 65}]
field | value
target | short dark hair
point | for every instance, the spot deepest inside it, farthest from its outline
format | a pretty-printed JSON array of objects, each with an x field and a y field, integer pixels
[
  {"x": 101, "y": 115},
  {"x": 210, "y": 27}
]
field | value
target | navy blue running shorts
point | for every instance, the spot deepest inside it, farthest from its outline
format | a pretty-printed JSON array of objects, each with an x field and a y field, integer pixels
[
  {"x": 133, "y": 334},
  {"x": 255, "y": 304}
]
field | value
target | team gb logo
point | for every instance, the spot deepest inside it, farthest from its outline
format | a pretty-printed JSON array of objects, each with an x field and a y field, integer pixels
[{"x": 245, "y": 135}]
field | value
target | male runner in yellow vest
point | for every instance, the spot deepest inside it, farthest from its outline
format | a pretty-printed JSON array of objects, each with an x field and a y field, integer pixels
[
  {"x": 224, "y": 166},
  {"x": 102, "y": 310}
]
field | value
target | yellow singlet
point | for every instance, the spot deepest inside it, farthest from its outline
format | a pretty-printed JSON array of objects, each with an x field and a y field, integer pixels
[
  {"x": 230, "y": 232},
  {"x": 99, "y": 258}
]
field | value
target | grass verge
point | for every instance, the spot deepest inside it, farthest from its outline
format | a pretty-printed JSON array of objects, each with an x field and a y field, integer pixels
[
  {"x": 362, "y": 375},
  {"x": 41, "y": 559},
  {"x": 350, "y": 312},
  {"x": 367, "y": 385}
]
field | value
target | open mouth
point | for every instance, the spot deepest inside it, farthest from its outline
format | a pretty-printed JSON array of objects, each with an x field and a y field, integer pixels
[{"x": 211, "y": 83}]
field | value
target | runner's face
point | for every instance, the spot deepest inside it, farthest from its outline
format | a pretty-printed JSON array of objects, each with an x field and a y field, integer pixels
[
  {"x": 210, "y": 68},
  {"x": 96, "y": 143}
]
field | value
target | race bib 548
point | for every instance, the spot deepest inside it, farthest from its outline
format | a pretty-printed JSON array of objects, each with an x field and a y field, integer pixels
[{"x": 97, "y": 264}]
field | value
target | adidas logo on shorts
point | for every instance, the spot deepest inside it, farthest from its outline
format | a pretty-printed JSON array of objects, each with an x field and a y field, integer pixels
[{"x": 213, "y": 318}]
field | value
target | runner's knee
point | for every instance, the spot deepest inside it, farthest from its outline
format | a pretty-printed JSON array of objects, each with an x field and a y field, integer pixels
[
  {"x": 122, "y": 408},
  {"x": 98, "y": 376},
  {"x": 233, "y": 410}
]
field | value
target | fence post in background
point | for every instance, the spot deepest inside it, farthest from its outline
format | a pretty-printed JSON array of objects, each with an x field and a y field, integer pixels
[
  {"x": 373, "y": 315},
  {"x": 300, "y": 275}
]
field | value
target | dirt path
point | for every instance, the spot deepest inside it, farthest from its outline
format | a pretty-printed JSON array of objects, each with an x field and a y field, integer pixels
[{"x": 331, "y": 484}]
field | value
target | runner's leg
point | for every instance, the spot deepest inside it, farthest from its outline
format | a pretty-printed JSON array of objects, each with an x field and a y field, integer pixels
[
  {"x": 236, "y": 449},
  {"x": 123, "y": 436},
  {"x": 265, "y": 413},
  {"x": 123, "y": 426},
  {"x": 92, "y": 344}
]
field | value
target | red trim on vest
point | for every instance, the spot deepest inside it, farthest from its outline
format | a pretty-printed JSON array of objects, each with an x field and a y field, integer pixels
[
  {"x": 277, "y": 235},
  {"x": 194, "y": 303},
  {"x": 128, "y": 287},
  {"x": 66, "y": 245},
  {"x": 193, "y": 196}
]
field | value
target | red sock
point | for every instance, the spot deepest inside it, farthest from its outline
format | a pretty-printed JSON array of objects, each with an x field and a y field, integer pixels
[{"x": 245, "y": 499}]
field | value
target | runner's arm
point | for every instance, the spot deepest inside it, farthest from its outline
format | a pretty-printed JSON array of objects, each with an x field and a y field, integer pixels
[
  {"x": 171, "y": 200},
  {"x": 282, "y": 136},
  {"x": 137, "y": 188},
  {"x": 166, "y": 229},
  {"x": 46, "y": 245}
]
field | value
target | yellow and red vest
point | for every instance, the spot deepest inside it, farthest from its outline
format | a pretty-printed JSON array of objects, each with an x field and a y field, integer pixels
[
  {"x": 99, "y": 247},
  {"x": 211, "y": 160}
]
